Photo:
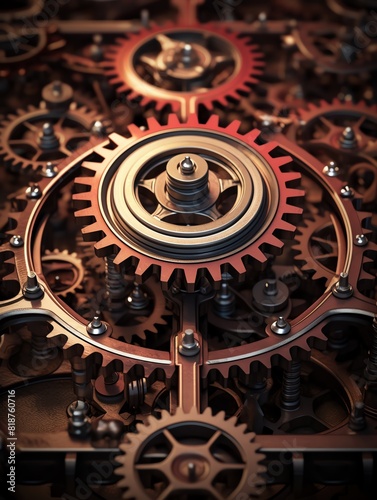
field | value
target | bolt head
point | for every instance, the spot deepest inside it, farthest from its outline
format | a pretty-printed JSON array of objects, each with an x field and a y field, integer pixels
[
  {"x": 33, "y": 192},
  {"x": 96, "y": 327},
  {"x": 361, "y": 240},
  {"x": 49, "y": 170},
  {"x": 347, "y": 192},
  {"x": 16, "y": 241},
  {"x": 331, "y": 170},
  {"x": 281, "y": 326}
]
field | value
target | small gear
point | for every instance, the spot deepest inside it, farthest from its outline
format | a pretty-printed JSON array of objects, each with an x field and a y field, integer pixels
[
  {"x": 20, "y": 45},
  {"x": 33, "y": 137},
  {"x": 209, "y": 208},
  {"x": 183, "y": 66},
  {"x": 195, "y": 455},
  {"x": 317, "y": 245},
  {"x": 343, "y": 126},
  {"x": 63, "y": 271}
]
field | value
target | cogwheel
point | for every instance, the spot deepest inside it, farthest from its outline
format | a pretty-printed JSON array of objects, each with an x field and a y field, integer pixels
[
  {"x": 187, "y": 196},
  {"x": 20, "y": 44},
  {"x": 63, "y": 271},
  {"x": 344, "y": 126},
  {"x": 183, "y": 66},
  {"x": 317, "y": 245},
  {"x": 31, "y": 138},
  {"x": 196, "y": 454}
]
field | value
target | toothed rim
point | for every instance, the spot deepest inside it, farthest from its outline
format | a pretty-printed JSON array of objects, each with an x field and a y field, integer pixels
[
  {"x": 119, "y": 56},
  {"x": 237, "y": 434},
  {"x": 107, "y": 240}
]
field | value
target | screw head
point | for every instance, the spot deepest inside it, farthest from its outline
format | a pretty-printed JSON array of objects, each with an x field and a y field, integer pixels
[
  {"x": 16, "y": 241},
  {"x": 96, "y": 327},
  {"x": 281, "y": 326},
  {"x": 347, "y": 192},
  {"x": 33, "y": 192},
  {"x": 331, "y": 170},
  {"x": 49, "y": 170},
  {"x": 32, "y": 290},
  {"x": 361, "y": 240},
  {"x": 342, "y": 289},
  {"x": 189, "y": 345},
  {"x": 98, "y": 128}
]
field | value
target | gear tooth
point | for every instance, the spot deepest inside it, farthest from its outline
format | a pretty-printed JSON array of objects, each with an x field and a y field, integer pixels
[
  {"x": 103, "y": 245},
  {"x": 286, "y": 226},
  {"x": 120, "y": 40},
  {"x": 275, "y": 242},
  {"x": 252, "y": 136},
  {"x": 233, "y": 127},
  {"x": 335, "y": 102},
  {"x": 142, "y": 268},
  {"x": 258, "y": 255},
  {"x": 291, "y": 176},
  {"x": 292, "y": 209},
  {"x": 192, "y": 121},
  {"x": 268, "y": 147},
  {"x": 190, "y": 275},
  {"x": 92, "y": 228},
  {"x": 213, "y": 121},
  {"x": 283, "y": 160},
  {"x": 90, "y": 165},
  {"x": 134, "y": 130},
  {"x": 173, "y": 120},
  {"x": 84, "y": 181},
  {"x": 152, "y": 123},
  {"x": 311, "y": 106},
  {"x": 84, "y": 212}
]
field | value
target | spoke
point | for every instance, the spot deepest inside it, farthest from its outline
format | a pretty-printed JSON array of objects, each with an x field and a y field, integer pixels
[
  {"x": 148, "y": 184},
  {"x": 148, "y": 466},
  {"x": 227, "y": 184},
  {"x": 169, "y": 436},
  {"x": 30, "y": 126},
  {"x": 149, "y": 60},
  {"x": 21, "y": 142},
  {"x": 36, "y": 156},
  {"x": 326, "y": 122},
  {"x": 65, "y": 150},
  {"x": 216, "y": 494},
  {"x": 325, "y": 243},
  {"x": 359, "y": 122},
  {"x": 327, "y": 256},
  {"x": 213, "y": 213},
  {"x": 166, "y": 42},
  {"x": 161, "y": 212},
  {"x": 222, "y": 59},
  {"x": 166, "y": 493},
  {"x": 213, "y": 439},
  {"x": 79, "y": 60}
]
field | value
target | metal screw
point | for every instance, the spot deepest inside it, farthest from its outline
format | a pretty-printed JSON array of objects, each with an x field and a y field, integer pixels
[
  {"x": 144, "y": 17},
  {"x": 187, "y": 166},
  {"x": 189, "y": 345},
  {"x": 96, "y": 327},
  {"x": 49, "y": 170},
  {"x": 16, "y": 241},
  {"x": 331, "y": 170},
  {"x": 357, "y": 420},
  {"x": 78, "y": 424},
  {"x": 57, "y": 88},
  {"x": 347, "y": 192},
  {"x": 138, "y": 299},
  {"x": 262, "y": 17},
  {"x": 270, "y": 288},
  {"x": 281, "y": 326},
  {"x": 348, "y": 138},
  {"x": 361, "y": 240},
  {"x": 225, "y": 301},
  {"x": 32, "y": 289},
  {"x": 33, "y": 192},
  {"x": 98, "y": 128},
  {"x": 342, "y": 289},
  {"x": 291, "y": 389}
]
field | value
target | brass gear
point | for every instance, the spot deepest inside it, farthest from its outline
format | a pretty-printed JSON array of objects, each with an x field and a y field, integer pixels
[
  {"x": 57, "y": 262},
  {"x": 204, "y": 50},
  {"x": 31, "y": 138},
  {"x": 343, "y": 126},
  {"x": 198, "y": 454},
  {"x": 204, "y": 238}
]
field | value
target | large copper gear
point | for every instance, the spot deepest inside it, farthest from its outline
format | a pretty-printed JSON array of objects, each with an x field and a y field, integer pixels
[
  {"x": 204, "y": 238},
  {"x": 183, "y": 63},
  {"x": 344, "y": 126},
  {"x": 22, "y": 135},
  {"x": 198, "y": 454}
]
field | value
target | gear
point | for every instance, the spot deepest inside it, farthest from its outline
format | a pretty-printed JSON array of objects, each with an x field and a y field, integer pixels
[
  {"x": 20, "y": 45},
  {"x": 33, "y": 137},
  {"x": 343, "y": 126},
  {"x": 21, "y": 10},
  {"x": 210, "y": 208},
  {"x": 183, "y": 66},
  {"x": 318, "y": 246},
  {"x": 331, "y": 48},
  {"x": 63, "y": 271},
  {"x": 196, "y": 455}
]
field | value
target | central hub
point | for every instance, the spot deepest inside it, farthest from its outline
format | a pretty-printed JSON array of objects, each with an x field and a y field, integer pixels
[
  {"x": 190, "y": 468},
  {"x": 187, "y": 178},
  {"x": 184, "y": 61}
]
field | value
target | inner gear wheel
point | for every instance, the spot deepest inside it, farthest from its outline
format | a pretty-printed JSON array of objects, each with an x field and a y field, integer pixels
[
  {"x": 20, "y": 45},
  {"x": 318, "y": 245},
  {"x": 194, "y": 197},
  {"x": 184, "y": 66},
  {"x": 344, "y": 126},
  {"x": 36, "y": 136},
  {"x": 191, "y": 454},
  {"x": 63, "y": 271}
]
